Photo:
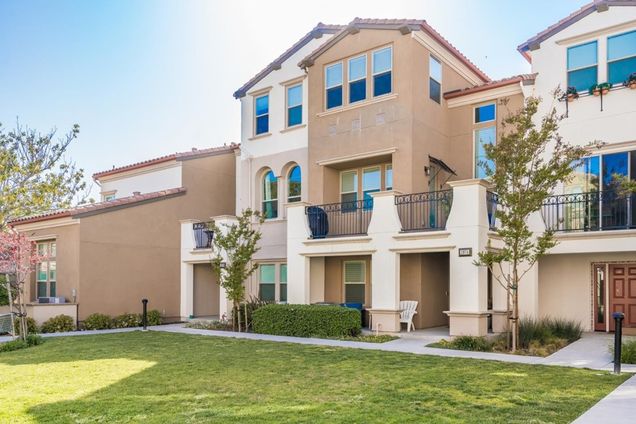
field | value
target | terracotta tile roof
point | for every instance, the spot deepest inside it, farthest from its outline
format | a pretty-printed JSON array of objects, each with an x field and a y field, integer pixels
[
  {"x": 101, "y": 206},
  {"x": 317, "y": 32},
  {"x": 523, "y": 78},
  {"x": 167, "y": 158},
  {"x": 597, "y": 5},
  {"x": 403, "y": 25}
]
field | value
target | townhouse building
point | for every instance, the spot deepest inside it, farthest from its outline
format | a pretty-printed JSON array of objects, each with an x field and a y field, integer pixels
[{"x": 107, "y": 256}]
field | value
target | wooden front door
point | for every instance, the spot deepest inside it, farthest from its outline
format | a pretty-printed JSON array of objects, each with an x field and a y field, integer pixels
[{"x": 623, "y": 293}]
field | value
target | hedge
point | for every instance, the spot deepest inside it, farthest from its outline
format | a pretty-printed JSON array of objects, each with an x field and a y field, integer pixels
[
  {"x": 307, "y": 320},
  {"x": 58, "y": 324}
]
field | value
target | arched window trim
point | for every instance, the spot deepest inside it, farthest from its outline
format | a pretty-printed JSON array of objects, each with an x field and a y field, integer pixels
[
  {"x": 269, "y": 195},
  {"x": 293, "y": 196}
]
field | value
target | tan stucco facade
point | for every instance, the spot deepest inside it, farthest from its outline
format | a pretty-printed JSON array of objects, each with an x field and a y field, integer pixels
[{"x": 115, "y": 257}]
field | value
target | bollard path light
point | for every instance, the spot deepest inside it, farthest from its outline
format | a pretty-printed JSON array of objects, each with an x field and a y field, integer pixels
[
  {"x": 618, "y": 343},
  {"x": 144, "y": 315}
]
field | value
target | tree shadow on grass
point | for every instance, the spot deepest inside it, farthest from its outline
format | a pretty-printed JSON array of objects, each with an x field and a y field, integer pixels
[{"x": 211, "y": 379}]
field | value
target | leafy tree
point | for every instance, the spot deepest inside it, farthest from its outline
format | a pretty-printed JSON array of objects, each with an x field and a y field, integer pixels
[
  {"x": 35, "y": 177},
  {"x": 18, "y": 258},
  {"x": 233, "y": 248},
  {"x": 530, "y": 161}
]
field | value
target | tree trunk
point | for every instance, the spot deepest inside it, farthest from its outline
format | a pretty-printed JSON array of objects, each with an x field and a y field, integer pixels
[
  {"x": 9, "y": 294},
  {"x": 24, "y": 328},
  {"x": 246, "y": 324},
  {"x": 238, "y": 317}
]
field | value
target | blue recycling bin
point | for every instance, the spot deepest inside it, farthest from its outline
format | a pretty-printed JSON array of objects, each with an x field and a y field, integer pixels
[{"x": 318, "y": 222}]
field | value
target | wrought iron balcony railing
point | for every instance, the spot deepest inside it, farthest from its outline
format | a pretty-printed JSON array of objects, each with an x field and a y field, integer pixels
[
  {"x": 202, "y": 235},
  {"x": 492, "y": 201},
  {"x": 424, "y": 211},
  {"x": 339, "y": 219},
  {"x": 592, "y": 211}
]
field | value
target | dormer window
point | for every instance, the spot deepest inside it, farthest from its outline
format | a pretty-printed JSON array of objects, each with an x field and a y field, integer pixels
[
  {"x": 357, "y": 78},
  {"x": 333, "y": 85},
  {"x": 621, "y": 57},
  {"x": 382, "y": 70},
  {"x": 583, "y": 66},
  {"x": 261, "y": 111}
]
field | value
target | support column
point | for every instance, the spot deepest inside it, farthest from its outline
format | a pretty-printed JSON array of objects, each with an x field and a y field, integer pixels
[
  {"x": 298, "y": 265},
  {"x": 385, "y": 264},
  {"x": 468, "y": 224},
  {"x": 187, "y": 291}
]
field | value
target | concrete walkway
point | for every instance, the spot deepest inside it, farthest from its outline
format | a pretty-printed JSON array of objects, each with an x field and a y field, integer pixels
[{"x": 619, "y": 407}]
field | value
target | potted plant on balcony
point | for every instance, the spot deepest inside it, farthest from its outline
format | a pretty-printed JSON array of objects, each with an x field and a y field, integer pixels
[
  {"x": 572, "y": 94},
  {"x": 597, "y": 89},
  {"x": 631, "y": 81}
]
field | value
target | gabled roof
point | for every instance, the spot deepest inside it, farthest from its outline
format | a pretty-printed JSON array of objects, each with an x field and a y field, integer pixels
[
  {"x": 595, "y": 6},
  {"x": 194, "y": 153},
  {"x": 93, "y": 208},
  {"x": 526, "y": 79},
  {"x": 405, "y": 26},
  {"x": 317, "y": 32}
]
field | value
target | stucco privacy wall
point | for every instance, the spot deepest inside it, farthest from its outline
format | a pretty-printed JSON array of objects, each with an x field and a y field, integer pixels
[
  {"x": 565, "y": 284},
  {"x": 145, "y": 180},
  {"x": 406, "y": 120},
  {"x": 586, "y": 122}
]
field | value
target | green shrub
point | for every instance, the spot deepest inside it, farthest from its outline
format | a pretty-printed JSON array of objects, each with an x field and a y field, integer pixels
[
  {"x": 154, "y": 317},
  {"x": 32, "y": 326},
  {"x": 127, "y": 321},
  {"x": 628, "y": 352},
  {"x": 307, "y": 320},
  {"x": 565, "y": 329},
  {"x": 210, "y": 325},
  {"x": 4, "y": 296},
  {"x": 249, "y": 306},
  {"x": 476, "y": 344},
  {"x": 370, "y": 338},
  {"x": 31, "y": 340},
  {"x": 97, "y": 322},
  {"x": 547, "y": 331},
  {"x": 58, "y": 324}
]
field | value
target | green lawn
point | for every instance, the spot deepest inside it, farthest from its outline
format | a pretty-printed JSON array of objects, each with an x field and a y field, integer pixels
[{"x": 173, "y": 378}]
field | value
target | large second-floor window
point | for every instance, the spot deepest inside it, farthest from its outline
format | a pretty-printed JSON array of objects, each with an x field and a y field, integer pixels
[
  {"x": 388, "y": 177},
  {"x": 270, "y": 196},
  {"x": 485, "y": 113},
  {"x": 294, "y": 185},
  {"x": 483, "y": 136},
  {"x": 349, "y": 186},
  {"x": 435, "y": 79},
  {"x": 333, "y": 85},
  {"x": 382, "y": 70},
  {"x": 371, "y": 183},
  {"x": 357, "y": 78},
  {"x": 582, "y": 66},
  {"x": 46, "y": 272},
  {"x": 261, "y": 112},
  {"x": 621, "y": 57},
  {"x": 294, "y": 105}
]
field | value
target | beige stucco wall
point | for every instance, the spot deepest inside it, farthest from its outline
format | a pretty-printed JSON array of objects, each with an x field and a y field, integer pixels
[
  {"x": 407, "y": 119},
  {"x": 565, "y": 284},
  {"x": 424, "y": 278}
]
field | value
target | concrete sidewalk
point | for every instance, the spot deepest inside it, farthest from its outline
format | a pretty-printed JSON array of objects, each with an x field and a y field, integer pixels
[{"x": 619, "y": 407}]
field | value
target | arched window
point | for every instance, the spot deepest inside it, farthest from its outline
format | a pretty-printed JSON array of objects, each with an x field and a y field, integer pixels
[
  {"x": 294, "y": 185},
  {"x": 270, "y": 195}
]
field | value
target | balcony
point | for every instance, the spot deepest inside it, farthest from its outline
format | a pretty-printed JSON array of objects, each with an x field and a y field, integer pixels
[
  {"x": 202, "y": 235},
  {"x": 592, "y": 211},
  {"x": 424, "y": 211},
  {"x": 339, "y": 219}
]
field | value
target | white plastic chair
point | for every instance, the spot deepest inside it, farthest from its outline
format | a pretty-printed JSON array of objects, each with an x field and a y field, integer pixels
[{"x": 408, "y": 311}]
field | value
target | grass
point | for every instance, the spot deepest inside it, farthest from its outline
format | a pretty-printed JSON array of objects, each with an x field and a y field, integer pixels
[{"x": 162, "y": 377}]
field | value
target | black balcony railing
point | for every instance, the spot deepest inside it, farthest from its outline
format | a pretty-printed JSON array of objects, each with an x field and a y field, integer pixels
[
  {"x": 339, "y": 219},
  {"x": 492, "y": 201},
  {"x": 592, "y": 211},
  {"x": 202, "y": 235},
  {"x": 424, "y": 211}
]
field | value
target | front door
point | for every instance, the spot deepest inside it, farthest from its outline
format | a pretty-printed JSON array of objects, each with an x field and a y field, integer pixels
[{"x": 623, "y": 293}]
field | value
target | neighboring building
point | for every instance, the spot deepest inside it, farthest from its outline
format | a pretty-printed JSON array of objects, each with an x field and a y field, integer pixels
[{"x": 106, "y": 257}]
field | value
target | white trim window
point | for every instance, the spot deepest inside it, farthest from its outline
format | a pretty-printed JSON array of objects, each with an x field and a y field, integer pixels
[
  {"x": 282, "y": 288},
  {"x": 388, "y": 177},
  {"x": 435, "y": 79},
  {"x": 46, "y": 270},
  {"x": 349, "y": 186},
  {"x": 483, "y": 136},
  {"x": 294, "y": 185},
  {"x": 382, "y": 71},
  {"x": 357, "y": 78},
  {"x": 270, "y": 195},
  {"x": 582, "y": 64},
  {"x": 261, "y": 114},
  {"x": 371, "y": 183},
  {"x": 485, "y": 113},
  {"x": 333, "y": 85},
  {"x": 354, "y": 281},
  {"x": 267, "y": 282},
  {"x": 621, "y": 57},
  {"x": 294, "y": 105}
]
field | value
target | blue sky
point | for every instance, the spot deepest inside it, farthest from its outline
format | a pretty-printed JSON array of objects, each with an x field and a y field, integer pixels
[{"x": 145, "y": 78}]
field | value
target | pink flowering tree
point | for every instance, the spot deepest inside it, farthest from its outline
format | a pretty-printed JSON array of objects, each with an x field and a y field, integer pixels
[{"x": 18, "y": 258}]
